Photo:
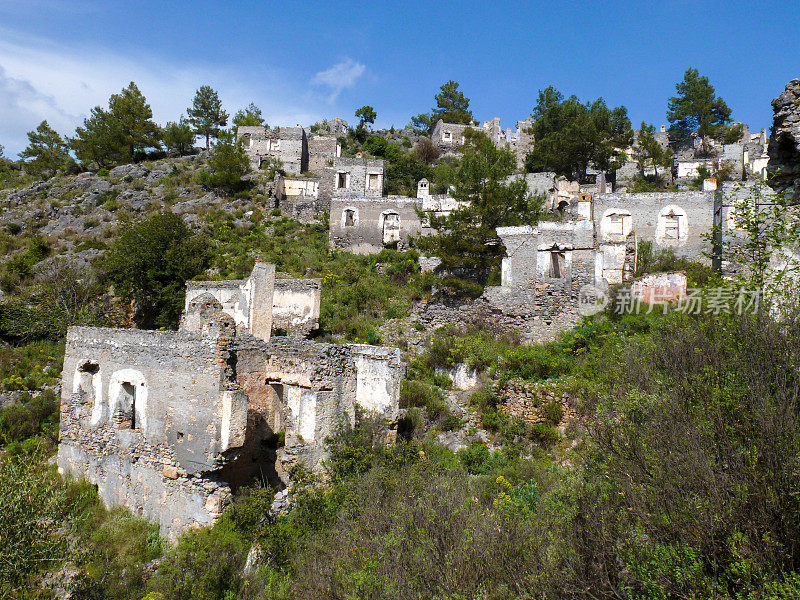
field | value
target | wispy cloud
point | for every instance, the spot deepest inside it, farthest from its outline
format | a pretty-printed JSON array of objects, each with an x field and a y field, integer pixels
[
  {"x": 340, "y": 76},
  {"x": 40, "y": 80}
]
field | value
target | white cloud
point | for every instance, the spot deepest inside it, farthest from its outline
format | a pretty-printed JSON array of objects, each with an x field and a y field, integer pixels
[
  {"x": 40, "y": 80},
  {"x": 343, "y": 74}
]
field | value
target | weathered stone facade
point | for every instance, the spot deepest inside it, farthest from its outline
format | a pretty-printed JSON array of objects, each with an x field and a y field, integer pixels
[
  {"x": 170, "y": 423},
  {"x": 288, "y": 144}
]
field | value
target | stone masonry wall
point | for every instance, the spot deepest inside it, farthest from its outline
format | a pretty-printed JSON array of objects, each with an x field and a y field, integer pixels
[{"x": 157, "y": 468}]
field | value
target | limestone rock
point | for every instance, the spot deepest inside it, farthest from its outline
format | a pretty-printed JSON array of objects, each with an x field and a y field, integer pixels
[{"x": 784, "y": 141}]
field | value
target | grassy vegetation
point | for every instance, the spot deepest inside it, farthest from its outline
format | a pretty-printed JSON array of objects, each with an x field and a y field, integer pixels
[
  {"x": 358, "y": 292},
  {"x": 678, "y": 479}
]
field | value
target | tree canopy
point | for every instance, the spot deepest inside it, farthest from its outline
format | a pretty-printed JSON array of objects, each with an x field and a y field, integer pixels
[
  {"x": 366, "y": 115},
  {"x": 116, "y": 135},
  {"x": 150, "y": 264},
  {"x": 648, "y": 152},
  {"x": 206, "y": 114},
  {"x": 47, "y": 152},
  {"x": 228, "y": 163},
  {"x": 248, "y": 116},
  {"x": 696, "y": 109},
  {"x": 466, "y": 240},
  {"x": 178, "y": 137},
  {"x": 452, "y": 106},
  {"x": 570, "y": 136}
]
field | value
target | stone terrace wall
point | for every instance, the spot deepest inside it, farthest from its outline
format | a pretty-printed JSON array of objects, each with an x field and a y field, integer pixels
[{"x": 528, "y": 401}]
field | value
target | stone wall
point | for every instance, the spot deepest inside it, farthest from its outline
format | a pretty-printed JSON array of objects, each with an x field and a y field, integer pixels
[
  {"x": 353, "y": 178},
  {"x": 296, "y": 306},
  {"x": 145, "y": 416},
  {"x": 367, "y": 225},
  {"x": 784, "y": 141},
  {"x": 288, "y": 144},
  {"x": 529, "y": 401},
  {"x": 653, "y": 214},
  {"x": 322, "y": 151}
]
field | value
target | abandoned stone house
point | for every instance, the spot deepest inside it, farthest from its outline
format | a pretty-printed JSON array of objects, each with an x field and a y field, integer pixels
[
  {"x": 548, "y": 266},
  {"x": 300, "y": 151},
  {"x": 365, "y": 224},
  {"x": 170, "y": 423},
  {"x": 448, "y": 137}
]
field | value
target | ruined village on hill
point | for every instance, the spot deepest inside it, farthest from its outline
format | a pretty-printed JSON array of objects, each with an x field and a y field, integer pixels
[{"x": 170, "y": 423}]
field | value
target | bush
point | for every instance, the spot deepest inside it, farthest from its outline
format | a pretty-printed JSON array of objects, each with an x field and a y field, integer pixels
[
  {"x": 32, "y": 416},
  {"x": 150, "y": 264},
  {"x": 418, "y": 394}
]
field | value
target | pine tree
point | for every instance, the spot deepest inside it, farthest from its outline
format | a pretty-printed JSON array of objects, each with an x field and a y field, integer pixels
[
  {"x": 132, "y": 118},
  {"x": 206, "y": 115},
  {"x": 250, "y": 116},
  {"x": 47, "y": 152},
  {"x": 452, "y": 106},
  {"x": 466, "y": 240},
  {"x": 697, "y": 109},
  {"x": 116, "y": 135},
  {"x": 178, "y": 137},
  {"x": 366, "y": 115}
]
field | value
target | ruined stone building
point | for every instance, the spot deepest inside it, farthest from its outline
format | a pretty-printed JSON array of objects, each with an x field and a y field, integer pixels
[
  {"x": 170, "y": 423},
  {"x": 364, "y": 221},
  {"x": 547, "y": 266},
  {"x": 299, "y": 150},
  {"x": 449, "y": 137}
]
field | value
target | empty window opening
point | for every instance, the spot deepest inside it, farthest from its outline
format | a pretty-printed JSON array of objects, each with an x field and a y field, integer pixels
[
  {"x": 391, "y": 228},
  {"x": 615, "y": 225},
  {"x": 86, "y": 374},
  {"x": 447, "y": 136},
  {"x": 246, "y": 140},
  {"x": 557, "y": 265},
  {"x": 125, "y": 412},
  {"x": 341, "y": 180},
  {"x": 349, "y": 217},
  {"x": 671, "y": 227}
]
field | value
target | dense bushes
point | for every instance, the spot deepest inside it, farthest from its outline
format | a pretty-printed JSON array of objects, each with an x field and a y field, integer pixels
[{"x": 149, "y": 265}]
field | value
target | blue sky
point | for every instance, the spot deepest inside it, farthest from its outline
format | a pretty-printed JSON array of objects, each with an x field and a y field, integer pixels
[{"x": 308, "y": 60}]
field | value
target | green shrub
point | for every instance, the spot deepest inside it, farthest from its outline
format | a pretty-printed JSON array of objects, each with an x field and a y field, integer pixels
[
  {"x": 418, "y": 394},
  {"x": 32, "y": 416},
  {"x": 554, "y": 412}
]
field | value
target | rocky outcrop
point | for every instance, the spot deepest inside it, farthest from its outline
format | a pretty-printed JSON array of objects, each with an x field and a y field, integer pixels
[{"x": 784, "y": 141}]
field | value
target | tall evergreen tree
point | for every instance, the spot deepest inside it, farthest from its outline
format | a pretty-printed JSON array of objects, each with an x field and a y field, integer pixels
[
  {"x": 116, "y": 135},
  {"x": 206, "y": 115},
  {"x": 697, "y": 109},
  {"x": 366, "y": 115},
  {"x": 47, "y": 152},
  {"x": 466, "y": 240},
  {"x": 571, "y": 135},
  {"x": 452, "y": 106},
  {"x": 178, "y": 137},
  {"x": 133, "y": 121}
]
